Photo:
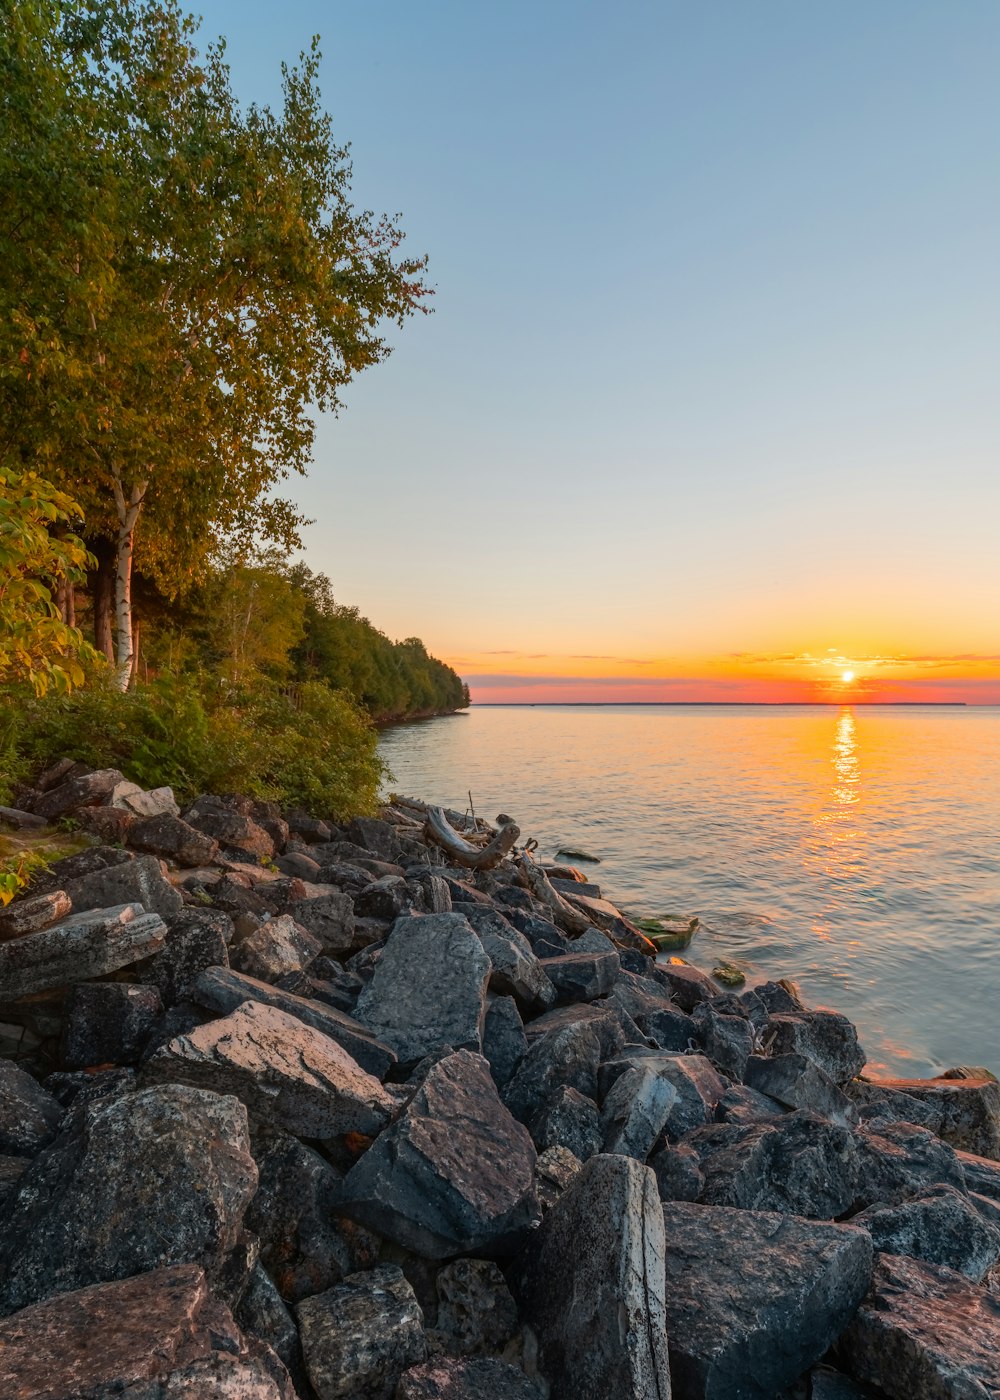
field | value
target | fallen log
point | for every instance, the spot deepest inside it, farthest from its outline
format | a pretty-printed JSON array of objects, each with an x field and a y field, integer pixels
[
  {"x": 438, "y": 829},
  {"x": 564, "y": 916}
]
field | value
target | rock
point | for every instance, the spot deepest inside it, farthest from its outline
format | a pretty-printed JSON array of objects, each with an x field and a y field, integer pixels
[
  {"x": 307, "y": 828},
  {"x": 85, "y": 945},
  {"x": 687, "y": 986},
  {"x": 743, "y": 1106},
  {"x": 231, "y": 831},
  {"x": 428, "y": 990},
  {"x": 108, "y": 1023},
  {"x": 433, "y": 892},
  {"x": 196, "y": 939},
  {"x": 29, "y": 1117},
  {"x": 59, "y": 772},
  {"x": 386, "y": 898},
  {"x": 824, "y": 1383},
  {"x": 262, "y": 1313},
  {"x": 476, "y": 1313},
  {"x": 504, "y": 1041},
  {"x": 471, "y": 1378},
  {"x": 158, "y": 1335},
  {"x": 900, "y": 1160},
  {"x": 635, "y": 1112},
  {"x": 161, "y": 1176},
  {"x": 286, "y": 1073},
  {"x": 799, "y": 1165},
  {"x": 108, "y": 824},
  {"x": 678, "y": 1173},
  {"x": 80, "y": 791},
  {"x": 304, "y": 1247},
  {"x": 581, "y": 976},
  {"x": 754, "y": 1299},
  {"x": 222, "y": 990},
  {"x": 825, "y": 1037},
  {"x": 567, "y": 1057},
  {"x": 34, "y": 913},
  {"x": 605, "y": 1018},
  {"x": 568, "y": 1120},
  {"x": 515, "y": 970},
  {"x": 75, "y": 1088},
  {"x": 274, "y": 949},
  {"x": 798, "y": 1082},
  {"x": 924, "y": 1333},
  {"x": 942, "y": 1226},
  {"x": 157, "y": 802},
  {"x": 728, "y": 1040},
  {"x": 300, "y": 866},
  {"x": 328, "y": 917},
  {"x": 166, "y": 835},
  {"x": 20, "y": 821},
  {"x": 137, "y": 881},
  {"x": 359, "y": 1337},
  {"x": 85, "y": 862},
  {"x": 698, "y": 1086},
  {"x": 980, "y": 1174},
  {"x": 554, "y": 1170},
  {"x": 378, "y": 837},
  {"x": 965, "y": 1112},
  {"x": 779, "y": 997},
  {"x": 454, "y": 1174},
  {"x": 592, "y": 1283}
]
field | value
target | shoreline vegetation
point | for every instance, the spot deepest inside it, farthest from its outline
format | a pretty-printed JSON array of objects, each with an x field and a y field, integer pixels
[{"x": 427, "y": 1116}]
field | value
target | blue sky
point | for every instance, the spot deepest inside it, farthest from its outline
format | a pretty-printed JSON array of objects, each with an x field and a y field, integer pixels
[{"x": 714, "y": 360}]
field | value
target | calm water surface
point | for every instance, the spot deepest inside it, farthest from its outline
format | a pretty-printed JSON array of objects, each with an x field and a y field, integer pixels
[{"x": 856, "y": 850}]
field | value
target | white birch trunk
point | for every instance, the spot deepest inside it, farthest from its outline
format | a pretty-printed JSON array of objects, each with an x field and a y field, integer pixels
[{"x": 128, "y": 514}]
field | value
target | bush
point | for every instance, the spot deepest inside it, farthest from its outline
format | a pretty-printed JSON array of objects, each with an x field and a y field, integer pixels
[{"x": 316, "y": 750}]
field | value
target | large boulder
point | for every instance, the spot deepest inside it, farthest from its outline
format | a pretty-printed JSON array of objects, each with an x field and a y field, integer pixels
[
  {"x": 196, "y": 939},
  {"x": 428, "y": 990},
  {"x": 515, "y": 970},
  {"x": 222, "y": 990},
  {"x": 924, "y": 1333},
  {"x": 137, "y": 881},
  {"x": 564, "y": 1058},
  {"x": 940, "y": 1227},
  {"x": 232, "y": 831},
  {"x": 797, "y": 1082},
  {"x": 166, "y": 835},
  {"x": 899, "y": 1160},
  {"x": 825, "y": 1037},
  {"x": 275, "y": 949},
  {"x": 158, "y": 1335},
  {"x": 85, "y": 945},
  {"x": 156, "y": 802},
  {"x": 108, "y": 1023},
  {"x": 360, "y": 1336},
  {"x": 160, "y": 1176},
  {"x": 965, "y": 1112},
  {"x": 454, "y": 1174},
  {"x": 29, "y": 1116},
  {"x": 76, "y": 792},
  {"x": 286, "y": 1073},
  {"x": 34, "y": 913},
  {"x": 698, "y": 1085},
  {"x": 592, "y": 1285},
  {"x": 754, "y": 1299},
  {"x": 328, "y": 917}
]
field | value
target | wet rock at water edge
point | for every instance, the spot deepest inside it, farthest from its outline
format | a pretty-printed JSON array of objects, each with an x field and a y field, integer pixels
[
  {"x": 286, "y": 1073},
  {"x": 472, "y": 1378},
  {"x": 923, "y": 1333},
  {"x": 825, "y": 1037},
  {"x": 108, "y": 1023},
  {"x": 753, "y": 1299},
  {"x": 29, "y": 1116},
  {"x": 360, "y": 1336},
  {"x": 899, "y": 1161},
  {"x": 592, "y": 1284},
  {"x": 939, "y": 1227},
  {"x": 83, "y": 946},
  {"x": 34, "y": 913},
  {"x": 276, "y": 948},
  {"x": 964, "y": 1112},
  {"x": 688, "y": 987},
  {"x": 171, "y": 1161},
  {"x": 157, "y": 1335},
  {"x": 454, "y": 1174},
  {"x": 428, "y": 990}
]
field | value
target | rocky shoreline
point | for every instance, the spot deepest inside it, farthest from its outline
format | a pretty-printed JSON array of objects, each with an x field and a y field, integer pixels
[{"x": 396, "y": 1108}]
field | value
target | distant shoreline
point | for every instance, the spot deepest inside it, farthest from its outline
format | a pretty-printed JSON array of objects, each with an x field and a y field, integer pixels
[{"x": 726, "y": 704}]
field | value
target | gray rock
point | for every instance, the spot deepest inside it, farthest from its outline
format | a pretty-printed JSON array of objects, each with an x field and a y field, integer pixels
[
  {"x": 29, "y": 1116},
  {"x": 824, "y": 1383},
  {"x": 727, "y": 1040},
  {"x": 360, "y": 1336},
  {"x": 563, "y": 1058},
  {"x": 582, "y": 976},
  {"x": 262, "y": 1313},
  {"x": 754, "y": 1299},
  {"x": 825, "y": 1037},
  {"x": 605, "y": 1018},
  {"x": 386, "y": 898},
  {"x": 980, "y": 1174},
  {"x": 940, "y": 1227},
  {"x": 81, "y": 791},
  {"x": 156, "y": 1336},
  {"x": 328, "y": 917},
  {"x": 222, "y": 990},
  {"x": 434, "y": 896},
  {"x": 504, "y": 1041},
  {"x": 742, "y": 1105},
  {"x": 698, "y": 1086},
  {"x": 276, "y": 948},
  {"x": 300, "y": 866},
  {"x": 454, "y": 1174},
  {"x": 569, "y": 1120},
  {"x": 232, "y": 831},
  {"x": 554, "y": 1170},
  {"x": 635, "y": 1112},
  {"x": 85, "y": 945},
  {"x": 798, "y": 1082},
  {"x": 900, "y": 1160},
  {"x": 965, "y": 1112},
  {"x": 20, "y": 821},
  {"x": 156, "y": 802},
  {"x": 286, "y": 1073},
  {"x": 196, "y": 939},
  {"x": 304, "y": 1246},
  {"x": 678, "y": 1173},
  {"x": 34, "y": 913},
  {"x": 469, "y": 1378},
  {"x": 516, "y": 971},
  {"x": 476, "y": 1313},
  {"x": 379, "y": 837},
  {"x": 924, "y": 1333},
  {"x": 592, "y": 1283},
  {"x": 166, "y": 835},
  {"x": 138, "y": 881},
  {"x": 687, "y": 986},
  {"x": 108, "y": 1023},
  {"x": 160, "y": 1176},
  {"x": 428, "y": 990}
]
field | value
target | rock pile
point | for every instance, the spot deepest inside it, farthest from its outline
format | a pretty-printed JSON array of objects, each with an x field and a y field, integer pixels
[{"x": 297, "y": 1109}]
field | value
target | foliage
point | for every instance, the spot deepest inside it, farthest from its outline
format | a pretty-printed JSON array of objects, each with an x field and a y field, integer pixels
[
  {"x": 318, "y": 752},
  {"x": 36, "y": 645},
  {"x": 16, "y": 870}
]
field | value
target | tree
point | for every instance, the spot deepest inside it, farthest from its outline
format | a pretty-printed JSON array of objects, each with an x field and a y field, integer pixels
[
  {"x": 216, "y": 287},
  {"x": 36, "y": 645}
]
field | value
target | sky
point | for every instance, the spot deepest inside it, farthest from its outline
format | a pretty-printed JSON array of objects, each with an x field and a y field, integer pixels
[{"x": 709, "y": 404}]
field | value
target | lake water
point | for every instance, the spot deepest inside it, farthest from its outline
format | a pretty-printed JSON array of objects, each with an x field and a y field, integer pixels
[{"x": 856, "y": 849}]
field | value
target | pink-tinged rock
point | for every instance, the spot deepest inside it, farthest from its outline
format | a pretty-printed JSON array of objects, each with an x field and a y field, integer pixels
[
  {"x": 965, "y": 1112},
  {"x": 81, "y": 947},
  {"x": 157, "y": 1335},
  {"x": 30, "y": 915}
]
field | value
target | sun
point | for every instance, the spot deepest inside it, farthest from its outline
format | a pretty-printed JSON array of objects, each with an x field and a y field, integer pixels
[{"x": 847, "y": 677}]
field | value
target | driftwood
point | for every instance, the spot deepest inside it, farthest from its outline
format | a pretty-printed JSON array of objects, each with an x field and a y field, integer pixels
[
  {"x": 438, "y": 829},
  {"x": 564, "y": 916}
]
